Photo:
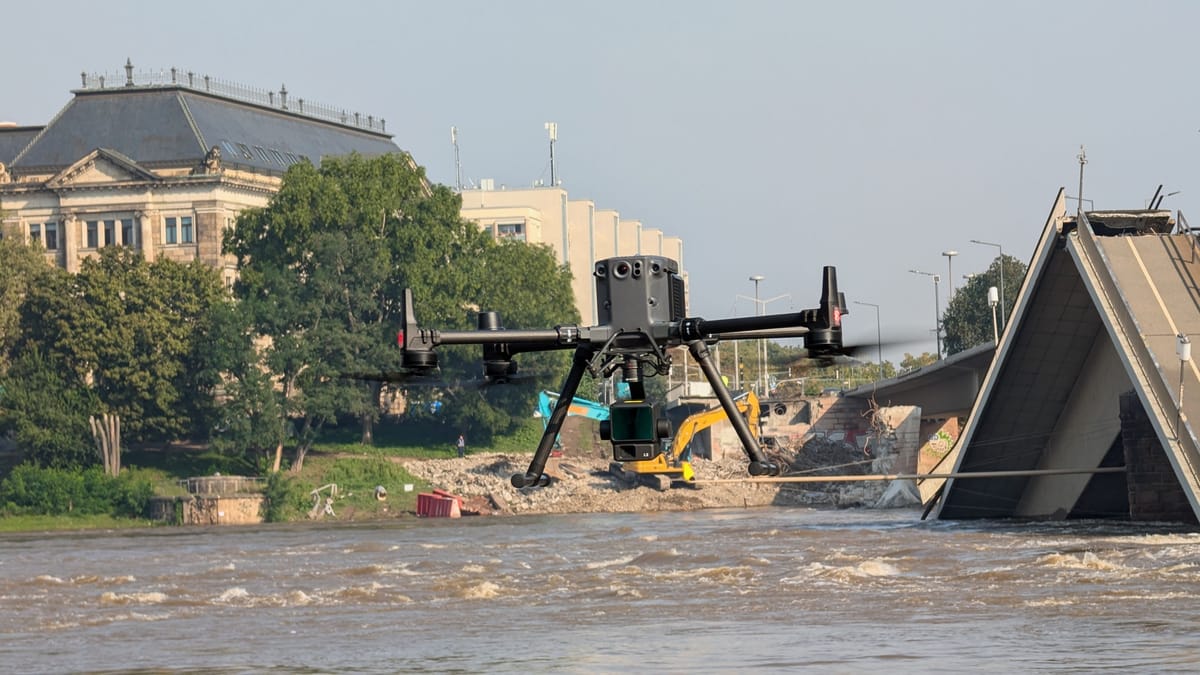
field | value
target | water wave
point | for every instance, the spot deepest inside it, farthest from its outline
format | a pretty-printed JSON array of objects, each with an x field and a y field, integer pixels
[
  {"x": 600, "y": 564},
  {"x": 484, "y": 590},
  {"x": 1085, "y": 561},
  {"x": 140, "y": 598}
]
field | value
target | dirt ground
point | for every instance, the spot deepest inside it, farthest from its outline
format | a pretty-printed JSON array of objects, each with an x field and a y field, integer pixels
[{"x": 583, "y": 482}]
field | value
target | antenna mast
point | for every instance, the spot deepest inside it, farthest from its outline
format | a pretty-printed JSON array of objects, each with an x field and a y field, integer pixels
[
  {"x": 552, "y": 127},
  {"x": 457, "y": 161},
  {"x": 1082, "y": 160}
]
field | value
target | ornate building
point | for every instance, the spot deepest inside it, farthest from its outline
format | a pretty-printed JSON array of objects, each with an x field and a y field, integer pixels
[{"x": 163, "y": 163}]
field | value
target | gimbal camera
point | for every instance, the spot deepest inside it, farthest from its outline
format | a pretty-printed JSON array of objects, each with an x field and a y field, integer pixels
[{"x": 642, "y": 314}]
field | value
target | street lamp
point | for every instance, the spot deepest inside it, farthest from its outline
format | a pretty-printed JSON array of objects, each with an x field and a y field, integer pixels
[
  {"x": 1183, "y": 349},
  {"x": 993, "y": 298},
  {"x": 1003, "y": 307},
  {"x": 761, "y": 308},
  {"x": 762, "y": 345},
  {"x": 937, "y": 310},
  {"x": 950, "y": 272},
  {"x": 878, "y": 333}
]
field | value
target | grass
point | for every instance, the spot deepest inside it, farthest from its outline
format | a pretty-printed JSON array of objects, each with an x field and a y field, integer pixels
[
  {"x": 60, "y": 523},
  {"x": 337, "y": 458}
]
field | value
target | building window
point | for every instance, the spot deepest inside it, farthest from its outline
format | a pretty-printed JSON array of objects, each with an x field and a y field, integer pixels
[
  {"x": 510, "y": 231},
  {"x": 127, "y": 236},
  {"x": 93, "y": 236},
  {"x": 186, "y": 235},
  {"x": 51, "y": 236},
  {"x": 35, "y": 232},
  {"x": 110, "y": 233},
  {"x": 172, "y": 233}
]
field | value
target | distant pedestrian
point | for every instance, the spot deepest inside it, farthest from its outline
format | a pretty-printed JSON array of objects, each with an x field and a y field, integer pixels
[{"x": 462, "y": 446}]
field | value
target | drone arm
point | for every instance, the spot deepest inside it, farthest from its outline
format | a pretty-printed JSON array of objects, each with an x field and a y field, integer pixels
[
  {"x": 766, "y": 334},
  {"x": 563, "y": 337},
  {"x": 759, "y": 464},
  {"x": 535, "y": 476},
  {"x": 754, "y": 326}
]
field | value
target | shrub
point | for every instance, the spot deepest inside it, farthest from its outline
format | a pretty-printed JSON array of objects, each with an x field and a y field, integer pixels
[
  {"x": 284, "y": 499},
  {"x": 33, "y": 490}
]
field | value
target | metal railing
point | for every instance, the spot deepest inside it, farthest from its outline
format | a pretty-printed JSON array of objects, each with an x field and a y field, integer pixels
[{"x": 279, "y": 100}]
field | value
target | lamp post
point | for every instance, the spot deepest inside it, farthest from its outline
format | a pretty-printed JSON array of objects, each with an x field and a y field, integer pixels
[
  {"x": 937, "y": 310},
  {"x": 1183, "y": 349},
  {"x": 878, "y": 333},
  {"x": 950, "y": 273},
  {"x": 760, "y": 307},
  {"x": 762, "y": 346},
  {"x": 993, "y": 298},
  {"x": 1003, "y": 307}
]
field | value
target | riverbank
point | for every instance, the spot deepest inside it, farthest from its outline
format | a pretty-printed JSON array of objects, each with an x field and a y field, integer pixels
[{"x": 583, "y": 483}]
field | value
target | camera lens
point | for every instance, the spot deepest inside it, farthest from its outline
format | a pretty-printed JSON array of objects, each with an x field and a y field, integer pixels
[
  {"x": 621, "y": 270},
  {"x": 601, "y": 270}
]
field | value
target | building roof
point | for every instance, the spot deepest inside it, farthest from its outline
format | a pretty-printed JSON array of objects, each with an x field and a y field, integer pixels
[
  {"x": 13, "y": 139},
  {"x": 173, "y": 125},
  {"x": 1097, "y": 317}
]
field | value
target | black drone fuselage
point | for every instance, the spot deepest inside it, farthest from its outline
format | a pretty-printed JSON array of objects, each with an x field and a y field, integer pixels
[{"x": 642, "y": 314}]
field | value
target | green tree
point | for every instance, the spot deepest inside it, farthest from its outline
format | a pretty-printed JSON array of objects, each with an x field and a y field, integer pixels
[
  {"x": 912, "y": 362},
  {"x": 22, "y": 267},
  {"x": 250, "y": 419},
  {"x": 528, "y": 289},
  {"x": 967, "y": 321},
  {"x": 129, "y": 329},
  {"x": 46, "y": 413},
  {"x": 322, "y": 270}
]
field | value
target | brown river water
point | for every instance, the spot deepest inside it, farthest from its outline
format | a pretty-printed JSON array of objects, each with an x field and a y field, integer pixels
[{"x": 769, "y": 590}]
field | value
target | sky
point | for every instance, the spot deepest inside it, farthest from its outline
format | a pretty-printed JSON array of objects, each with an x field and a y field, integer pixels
[{"x": 773, "y": 137}]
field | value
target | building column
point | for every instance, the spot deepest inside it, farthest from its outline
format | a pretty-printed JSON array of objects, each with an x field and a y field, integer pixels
[
  {"x": 70, "y": 242},
  {"x": 146, "y": 233}
]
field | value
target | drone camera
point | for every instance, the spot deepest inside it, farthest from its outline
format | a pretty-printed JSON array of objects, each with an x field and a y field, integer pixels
[
  {"x": 635, "y": 293},
  {"x": 635, "y": 430}
]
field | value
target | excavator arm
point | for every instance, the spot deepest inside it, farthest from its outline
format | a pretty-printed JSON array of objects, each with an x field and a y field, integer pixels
[{"x": 675, "y": 462}]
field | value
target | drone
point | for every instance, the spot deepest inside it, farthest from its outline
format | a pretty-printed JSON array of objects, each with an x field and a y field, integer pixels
[{"x": 641, "y": 315}]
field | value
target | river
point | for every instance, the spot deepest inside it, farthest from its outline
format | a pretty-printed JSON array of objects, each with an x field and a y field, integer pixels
[{"x": 771, "y": 589}]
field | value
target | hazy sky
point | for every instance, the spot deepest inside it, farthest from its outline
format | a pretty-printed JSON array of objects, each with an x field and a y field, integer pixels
[{"x": 773, "y": 137}]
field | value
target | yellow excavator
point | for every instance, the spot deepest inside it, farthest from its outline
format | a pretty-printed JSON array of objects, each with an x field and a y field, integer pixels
[{"x": 674, "y": 463}]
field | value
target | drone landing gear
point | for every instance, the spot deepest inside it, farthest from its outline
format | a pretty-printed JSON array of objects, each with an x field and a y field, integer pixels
[
  {"x": 535, "y": 475},
  {"x": 760, "y": 465}
]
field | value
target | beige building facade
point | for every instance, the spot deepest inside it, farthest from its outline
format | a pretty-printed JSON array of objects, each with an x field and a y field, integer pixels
[
  {"x": 169, "y": 185},
  {"x": 577, "y": 232}
]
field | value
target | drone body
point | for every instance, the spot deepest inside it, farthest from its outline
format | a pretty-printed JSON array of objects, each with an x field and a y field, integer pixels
[{"x": 642, "y": 314}]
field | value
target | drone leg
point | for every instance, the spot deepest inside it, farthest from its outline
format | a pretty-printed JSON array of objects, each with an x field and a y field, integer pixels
[
  {"x": 759, "y": 464},
  {"x": 534, "y": 476}
]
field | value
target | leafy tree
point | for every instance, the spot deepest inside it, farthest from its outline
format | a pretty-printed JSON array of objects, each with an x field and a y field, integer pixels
[
  {"x": 21, "y": 267},
  {"x": 912, "y": 362},
  {"x": 251, "y": 417},
  {"x": 47, "y": 413},
  {"x": 129, "y": 329},
  {"x": 323, "y": 267},
  {"x": 528, "y": 289},
  {"x": 967, "y": 320}
]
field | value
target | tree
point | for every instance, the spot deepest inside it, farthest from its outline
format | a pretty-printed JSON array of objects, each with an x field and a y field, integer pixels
[
  {"x": 129, "y": 329},
  {"x": 46, "y": 413},
  {"x": 249, "y": 420},
  {"x": 22, "y": 267},
  {"x": 528, "y": 289},
  {"x": 912, "y": 362},
  {"x": 322, "y": 270},
  {"x": 967, "y": 320}
]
